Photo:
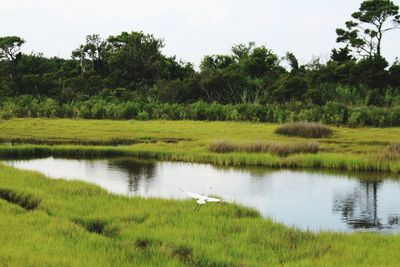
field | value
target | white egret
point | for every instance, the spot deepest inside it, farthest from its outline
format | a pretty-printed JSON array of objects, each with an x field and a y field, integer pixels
[{"x": 200, "y": 199}]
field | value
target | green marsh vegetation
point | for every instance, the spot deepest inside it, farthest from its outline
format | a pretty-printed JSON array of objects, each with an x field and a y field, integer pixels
[
  {"x": 49, "y": 222},
  {"x": 78, "y": 224},
  {"x": 305, "y": 129},
  {"x": 264, "y": 147},
  {"x": 347, "y": 148}
]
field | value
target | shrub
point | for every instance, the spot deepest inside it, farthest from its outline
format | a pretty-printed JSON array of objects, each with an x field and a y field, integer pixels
[
  {"x": 96, "y": 107},
  {"x": 143, "y": 116},
  {"x": 305, "y": 129}
]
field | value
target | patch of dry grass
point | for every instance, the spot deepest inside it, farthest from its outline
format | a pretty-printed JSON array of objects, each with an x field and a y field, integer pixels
[
  {"x": 392, "y": 152},
  {"x": 305, "y": 129},
  {"x": 265, "y": 147}
]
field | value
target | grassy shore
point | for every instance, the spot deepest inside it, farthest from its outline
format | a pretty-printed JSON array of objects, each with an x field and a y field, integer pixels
[
  {"x": 46, "y": 222},
  {"x": 350, "y": 149}
]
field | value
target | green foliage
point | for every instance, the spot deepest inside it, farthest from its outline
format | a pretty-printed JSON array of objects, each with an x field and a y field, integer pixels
[
  {"x": 332, "y": 113},
  {"x": 128, "y": 77},
  {"x": 10, "y": 47},
  {"x": 366, "y": 33}
]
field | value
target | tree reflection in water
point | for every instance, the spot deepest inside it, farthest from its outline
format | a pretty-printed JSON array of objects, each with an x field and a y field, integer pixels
[
  {"x": 138, "y": 172},
  {"x": 359, "y": 208}
]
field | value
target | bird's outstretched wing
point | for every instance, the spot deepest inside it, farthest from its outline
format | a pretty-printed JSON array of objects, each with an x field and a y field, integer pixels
[
  {"x": 211, "y": 199},
  {"x": 192, "y": 195}
]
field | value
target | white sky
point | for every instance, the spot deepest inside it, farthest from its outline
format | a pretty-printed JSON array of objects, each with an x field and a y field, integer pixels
[{"x": 190, "y": 28}]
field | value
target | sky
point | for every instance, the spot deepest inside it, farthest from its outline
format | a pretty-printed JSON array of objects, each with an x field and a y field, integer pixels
[{"x": 189, "y": 28}]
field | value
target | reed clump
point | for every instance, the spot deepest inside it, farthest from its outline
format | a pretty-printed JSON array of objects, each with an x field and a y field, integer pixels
[
  {"x": 392, "y": 152},
  {"x": 305, "y": 129},
  {"x": 222, "y": 146},
  {"x": 265, "y": 147}
]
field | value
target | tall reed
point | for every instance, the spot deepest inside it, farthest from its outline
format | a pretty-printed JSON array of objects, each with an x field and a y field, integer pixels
[
  {"x": 265, "y": 147},
  {"x": 305, "y": 129}
]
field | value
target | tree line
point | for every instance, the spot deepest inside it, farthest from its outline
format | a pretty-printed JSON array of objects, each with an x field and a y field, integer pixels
[{"x": 130, "y": 67}]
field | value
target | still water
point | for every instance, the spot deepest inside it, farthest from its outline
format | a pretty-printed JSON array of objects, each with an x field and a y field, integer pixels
[{"x": 303, "y": 199}]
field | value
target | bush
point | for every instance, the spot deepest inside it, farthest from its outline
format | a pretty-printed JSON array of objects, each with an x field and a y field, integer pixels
[
  {"x": 143, "y": 116},
  {"x": 305, "y": 129},
  {"x": 97, "y": 108}
]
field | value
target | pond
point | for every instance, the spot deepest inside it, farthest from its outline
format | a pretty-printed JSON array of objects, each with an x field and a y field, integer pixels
[{"x": 308, "y": 200}]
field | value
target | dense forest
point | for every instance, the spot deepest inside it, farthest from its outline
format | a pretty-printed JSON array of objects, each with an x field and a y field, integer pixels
[{"x": 128, "y": 77}]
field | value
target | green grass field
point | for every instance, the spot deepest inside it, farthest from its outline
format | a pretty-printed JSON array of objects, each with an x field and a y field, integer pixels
[
  {"x": 350, "y": 149},
  {"x": 46, "y": 222},
  {"x": 77, "y": 224}
]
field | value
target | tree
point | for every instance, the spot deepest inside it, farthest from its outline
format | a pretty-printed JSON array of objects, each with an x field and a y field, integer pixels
[
  {"x": 216, "y": 62},
  {"x": 342, "y": 55},
  {"x": 365, "y": 34},
  {"x": 260, "y": 62},
  {"x": 292, "y": 60},
  {"x": 10, "y": 47},
  {"x": 135, "y": 59},
  {"x": 242, "y": 50},
  {"x": 395, "y": 73},
  {"x": 94, "y": 51}
]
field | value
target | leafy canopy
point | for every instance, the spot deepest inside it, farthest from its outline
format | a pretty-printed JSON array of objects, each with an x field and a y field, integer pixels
[
  {"x": 373, "y": 19},
  {"x": 10, "y": 47}
]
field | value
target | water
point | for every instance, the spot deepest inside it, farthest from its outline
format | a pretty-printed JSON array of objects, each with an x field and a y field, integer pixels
[{"x": 303, "y": 199}]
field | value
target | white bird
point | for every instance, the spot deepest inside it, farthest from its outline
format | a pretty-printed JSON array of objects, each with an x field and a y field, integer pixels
[{"x": 200, "y": 199}]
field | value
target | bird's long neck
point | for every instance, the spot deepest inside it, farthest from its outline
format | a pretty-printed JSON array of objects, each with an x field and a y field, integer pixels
[{"x": 208, "y": 191}]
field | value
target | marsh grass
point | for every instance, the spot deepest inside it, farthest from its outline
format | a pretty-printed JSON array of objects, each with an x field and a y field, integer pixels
[
  {"x": 143, "y": 243},
  {"x": 331, "y": 161},
  {"x": 392, "y": 152},
  {"x": 305, "y": 129},
  {"x": 183, "y": 253},
  {"x": 108, "y": 142},
  {"x": 98, "y": 226},
  {"x": 348, "y": 149},
  {"x": 23, "y": 200},
  {"x": 222, "y": 147},
  {"x": 264, "y": 147},
  {"x": 77, "y": 224},
  {"x": 171, "y": 235}
]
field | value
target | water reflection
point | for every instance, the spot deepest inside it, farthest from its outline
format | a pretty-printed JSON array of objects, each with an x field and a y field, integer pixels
[
  {"x": 360, "y": 208},
  {"x": 310, "y": 200},
  {"x": 138, "y": 172}
]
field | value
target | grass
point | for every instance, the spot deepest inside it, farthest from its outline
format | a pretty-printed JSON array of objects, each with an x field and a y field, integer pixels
[
  {"x": 305, "y": 129},
  {"x": 347, "y": 148},
  {"x": 265, "y": 147},
  {"x": 47, "y": 222},
  {"x": 393, "y": 152},
  {"x": 77, "y": 224}
]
